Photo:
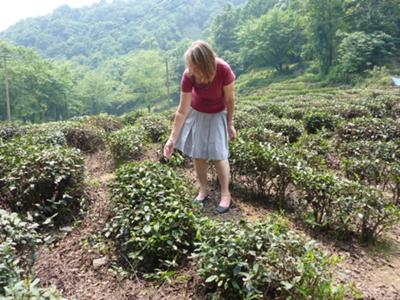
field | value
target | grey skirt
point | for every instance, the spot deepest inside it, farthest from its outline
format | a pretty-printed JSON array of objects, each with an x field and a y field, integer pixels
[{"x": 204, "y": 136}]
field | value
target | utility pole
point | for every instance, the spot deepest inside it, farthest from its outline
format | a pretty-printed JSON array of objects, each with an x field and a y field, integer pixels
[
  {"x": 8, "y": 110},
  {"x": 167, "y": 78}
]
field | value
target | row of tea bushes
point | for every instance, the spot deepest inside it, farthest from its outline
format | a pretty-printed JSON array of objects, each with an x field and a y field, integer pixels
[
  {"x": 263, "y": 260},
  {"x": 43, "y": 180},
  {"x": 156, "y": 227},
  {"x": 103, "y": 121},
  {"x": 344, "y": 205},
  {"x": 85, "y": 137},
  {"x": 333, "y": 202},
  {"x": 369, "y": 129},
  {"x": 374, "y": 163}
]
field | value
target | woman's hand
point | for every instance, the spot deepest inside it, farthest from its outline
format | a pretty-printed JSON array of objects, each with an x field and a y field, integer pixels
[
  {"x": 169, "y": 148},
  {"x": 231, "y": 132}
]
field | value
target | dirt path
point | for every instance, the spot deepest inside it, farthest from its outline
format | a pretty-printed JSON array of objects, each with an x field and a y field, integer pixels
[{"x": 69, "y": 263}]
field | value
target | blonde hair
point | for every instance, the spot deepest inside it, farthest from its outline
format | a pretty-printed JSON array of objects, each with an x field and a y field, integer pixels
[{"x": 201, "y": 56}]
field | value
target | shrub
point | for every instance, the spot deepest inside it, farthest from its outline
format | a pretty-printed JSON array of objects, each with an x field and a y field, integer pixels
[
  {"x": 344, "y": 205},
  {"x": 315, "y": 121},
  {"x": 315, "y": 150},
  {"x": 369, "y": 129},
  {"x": 265, "y": 167},
  {"x": 320, "y": 193},
  {"x": 9, "y": 130},
  {"x": 368, "y": 171},
  {"x": 263, "y": 261},
  {"x": 49, "y": 133},
  {"x": 130, "y": 118},
  {"x": 245, "y": 120},
  {"x": 352, "y": 111},
  {"x": 287, "y": 127},
  {"x": 86, "y": 138},
  {"x": 263, "y": 135},
  {"x": 154, "y": 226},
  {"x": 126, "y": 144},
  {"x": 178, "y": 159},
  {"x": 104, "y": 121},
  {"x": 42, "y": 179},
  {"x": 29, "y": 289},
  {"x": 9, "y": 271},
  {"x": 16, "y": 237},
  {"x": 154, "y": 126}
]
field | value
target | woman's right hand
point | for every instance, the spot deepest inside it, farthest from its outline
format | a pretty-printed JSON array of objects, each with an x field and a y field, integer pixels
[{"x": 169, "y": 148}]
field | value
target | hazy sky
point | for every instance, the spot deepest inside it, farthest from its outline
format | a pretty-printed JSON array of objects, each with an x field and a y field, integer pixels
[{"x": 12, "y": 11}]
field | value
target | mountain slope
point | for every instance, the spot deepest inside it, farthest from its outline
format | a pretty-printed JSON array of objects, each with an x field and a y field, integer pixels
[{"x": 90, "y": 34}]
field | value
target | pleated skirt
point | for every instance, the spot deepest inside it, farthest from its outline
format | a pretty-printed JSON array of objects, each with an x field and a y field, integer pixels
[{"x": 204, "y": 136}]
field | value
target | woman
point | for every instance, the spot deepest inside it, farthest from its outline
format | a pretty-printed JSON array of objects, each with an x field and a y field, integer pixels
[{"x": 204, "y": 119}]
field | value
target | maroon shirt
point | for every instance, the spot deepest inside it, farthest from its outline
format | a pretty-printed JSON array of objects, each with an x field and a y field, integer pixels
[{"x": 209, "y": 98}]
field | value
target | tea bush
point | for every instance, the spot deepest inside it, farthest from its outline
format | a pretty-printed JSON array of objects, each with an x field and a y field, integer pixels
[
  {"x": 44, "y": 180},
  {"x": 352, "y": 111},
  {"x": 245, "y": 120},
  {"x": 50, "y": 133},
  {"x": 9, "y": 130},
  {"x": 130, "y": 118},
  {"x": 126, "y": 144},
  {"x": 153, "y": 225},
  {"x": 374, "y": 163},
  {"x": 316, "y": 150},
  {"x": 104, "y": 121},
  {"x": 85, "y": 137},
  {"x": 28, "y": 289},
  {"x": 314, "y": 121},
  {"x": 241, "y": 260},
  {"x": 177, "y": 159},
  {"x": 369, "y": 129},
  {"x": 344, "y": 205},
  {"x": 263, "y": 135},
  {"x": 155, "y": 126},
  {"x": 320, "y": 193},
  {"x": 265, "y": 167},
  {"x": 9, "y": 270},
  {"x": 17, "y": 237},
  {"x": 287, "y": 127}
]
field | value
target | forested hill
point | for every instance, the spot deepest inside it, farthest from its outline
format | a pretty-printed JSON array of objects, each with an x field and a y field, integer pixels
[{"x": 103, "y": 30}]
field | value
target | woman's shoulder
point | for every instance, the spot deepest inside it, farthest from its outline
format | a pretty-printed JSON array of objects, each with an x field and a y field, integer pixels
[{"x": 222, "y": 63}]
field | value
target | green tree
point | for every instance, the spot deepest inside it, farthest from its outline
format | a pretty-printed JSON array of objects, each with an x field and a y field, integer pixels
[
  {"x": 38, "y": 88},
  {"x": 145, "y": 77},
  {"x": 359, "y": 51},
  {"x": 223, "y": 30},
  {"x": 324, "y": 20},
  {"x": 275, "y": 39},
  {"x": 93, "y": 91}
]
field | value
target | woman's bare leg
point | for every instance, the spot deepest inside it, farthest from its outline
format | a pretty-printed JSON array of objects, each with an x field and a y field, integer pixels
[
  {"x": 223, "y": 172},
  {"x": 200, "y": 166}
]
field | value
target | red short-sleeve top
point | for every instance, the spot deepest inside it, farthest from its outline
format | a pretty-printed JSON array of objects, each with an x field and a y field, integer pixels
[{"x": 209, "y": 98}]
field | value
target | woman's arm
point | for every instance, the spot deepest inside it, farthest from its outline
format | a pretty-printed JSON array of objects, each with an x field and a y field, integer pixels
[
  {"x": 230, "y": 103},
  {"x": 180, "y": 117}
]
